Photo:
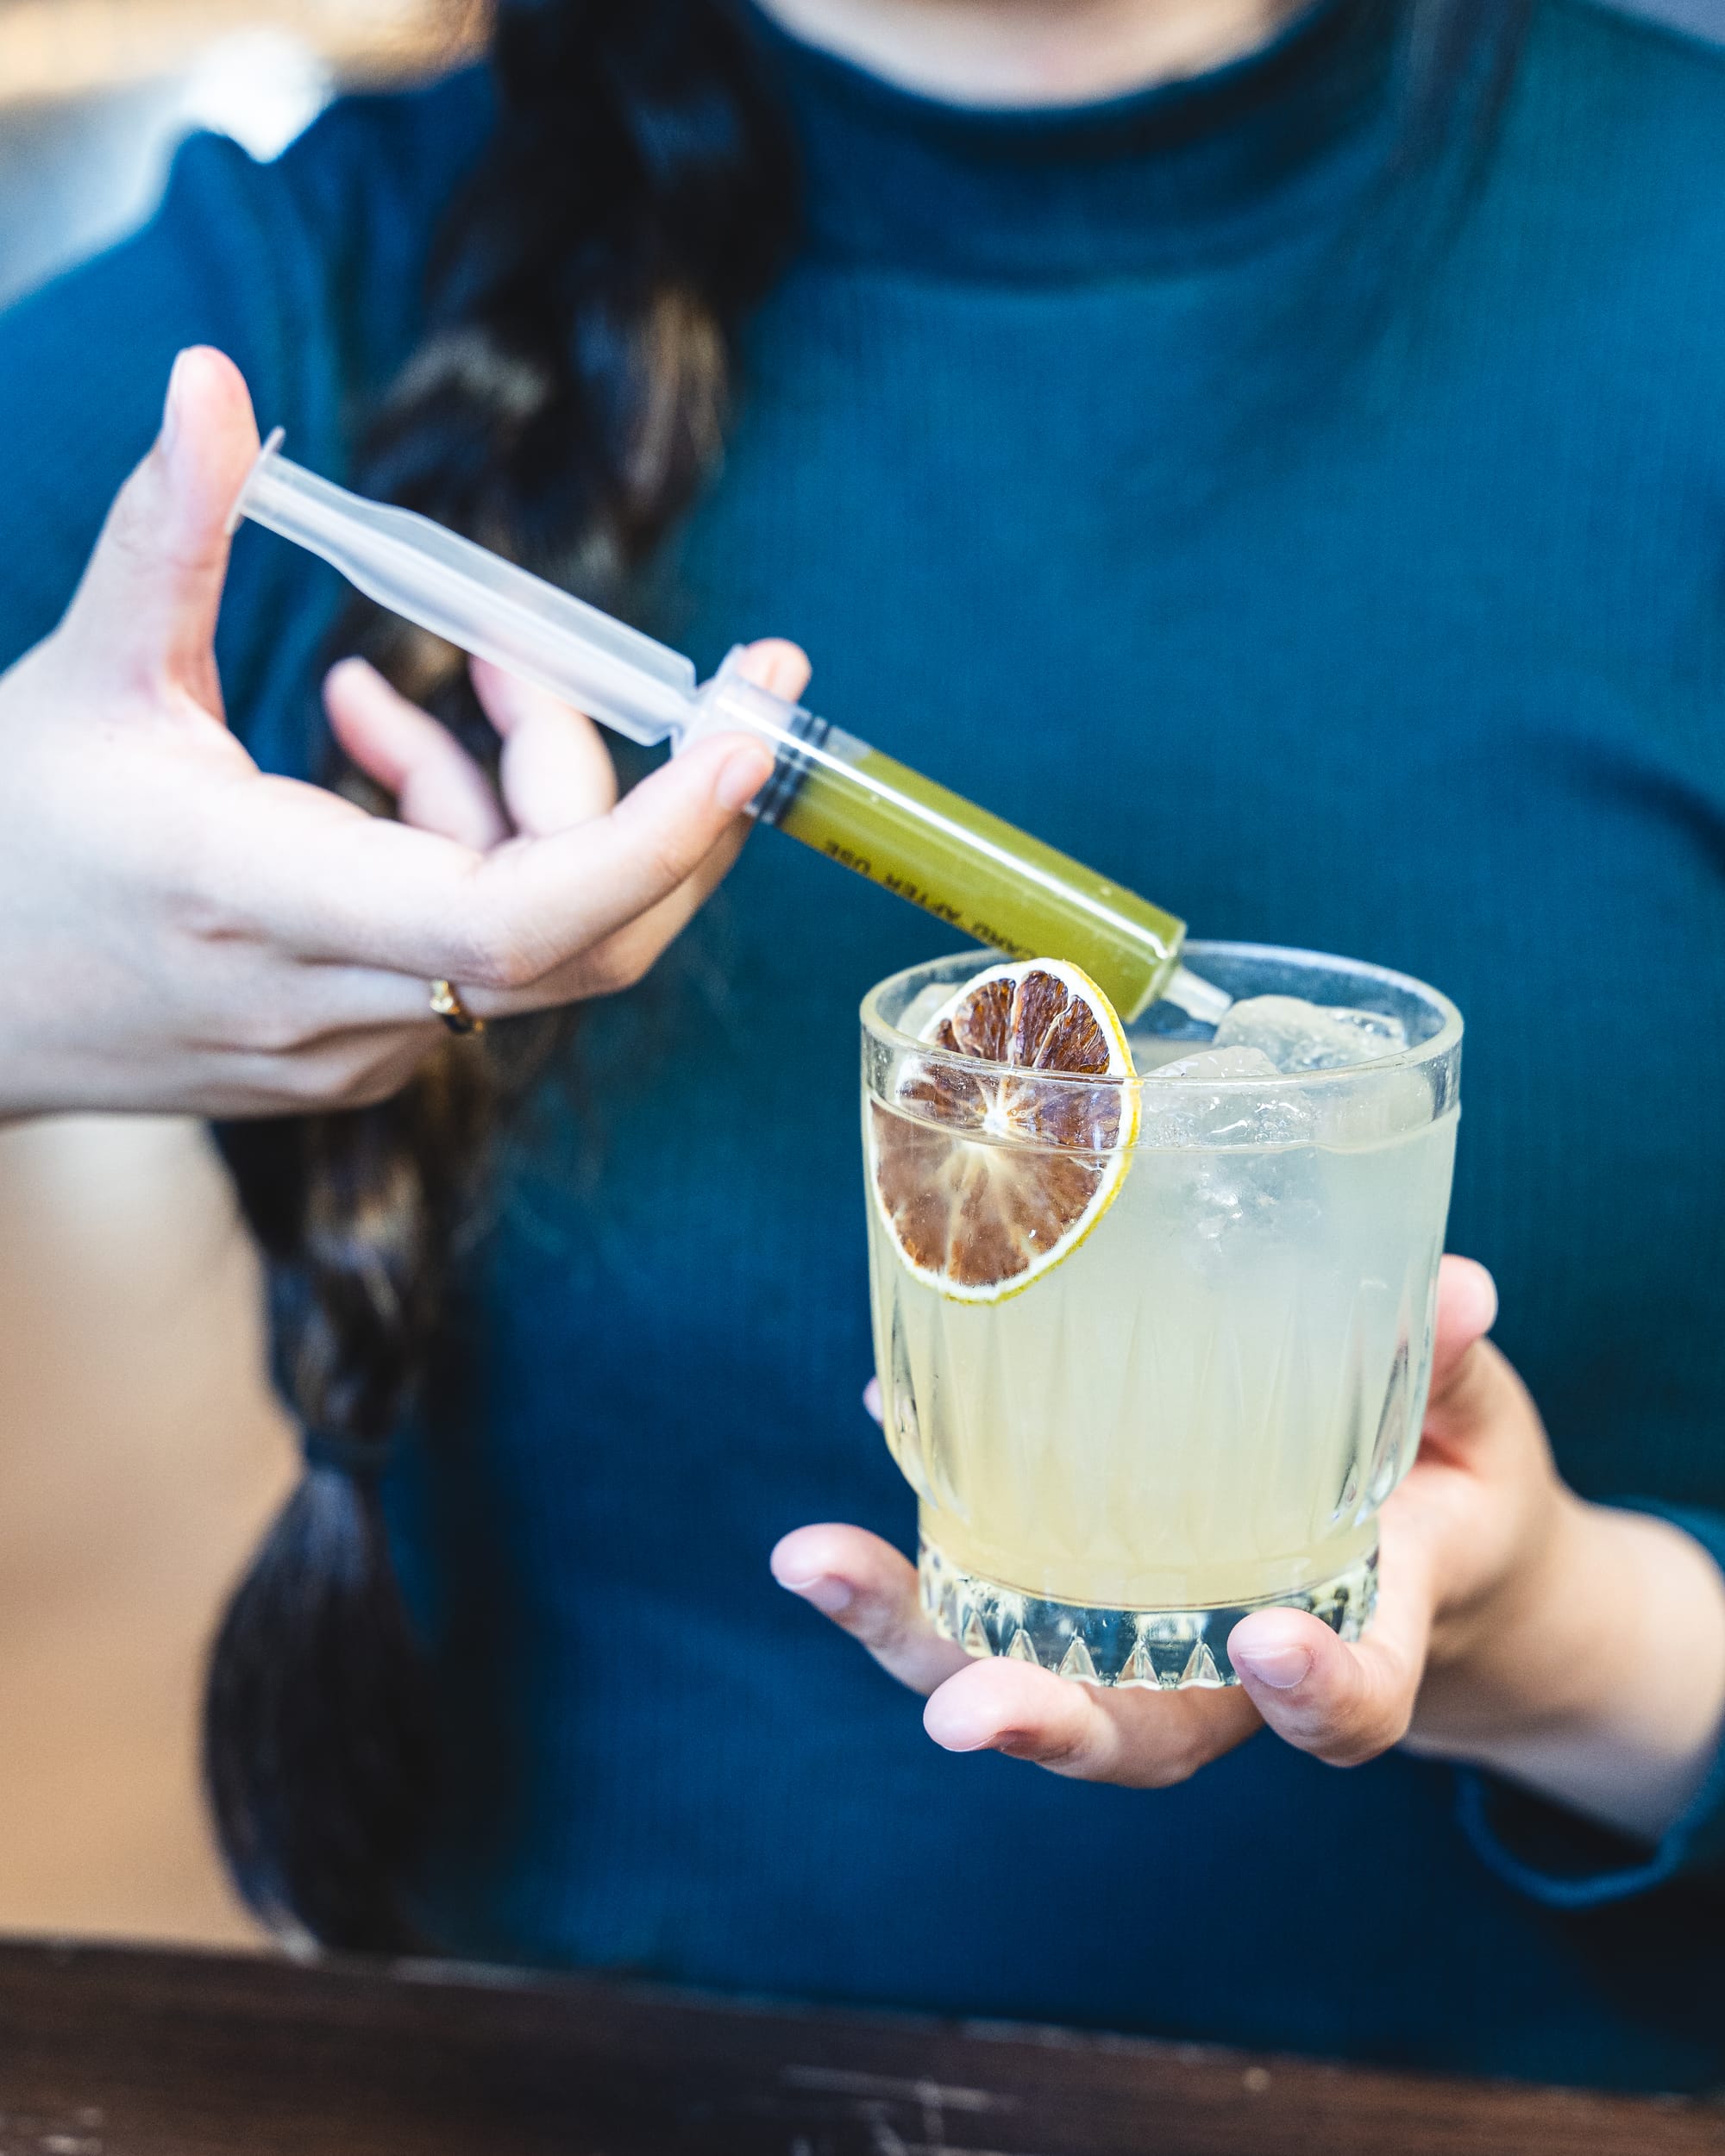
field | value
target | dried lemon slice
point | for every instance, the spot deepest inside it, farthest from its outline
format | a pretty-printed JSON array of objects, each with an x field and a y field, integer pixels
[{"x": 986, "y": 1182}]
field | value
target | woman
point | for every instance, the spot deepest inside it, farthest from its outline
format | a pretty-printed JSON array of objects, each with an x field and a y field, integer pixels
[{"x": 1259, "y": 483}]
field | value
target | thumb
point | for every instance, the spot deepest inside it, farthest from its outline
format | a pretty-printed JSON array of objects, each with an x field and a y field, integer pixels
[
  {"x": 1467, "y": 1310},
  {"x": 146, "y": 610}
]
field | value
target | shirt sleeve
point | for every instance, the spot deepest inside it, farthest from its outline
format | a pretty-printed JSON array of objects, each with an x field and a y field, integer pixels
[
  {"x": 85, "y": 361},
  {"x": 1566, "y": 1862},
  {"x": 307, "y": 272}
]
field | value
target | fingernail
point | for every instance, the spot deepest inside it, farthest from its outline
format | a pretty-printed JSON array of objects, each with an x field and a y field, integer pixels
[
  {"x": 744, "y": 773},
  {"x": 829, "y": 1595},
  {"x": 953, "y": 1729},
  {"x": 172, "y": 417},
  {"x": 1280, "y": 1668}
]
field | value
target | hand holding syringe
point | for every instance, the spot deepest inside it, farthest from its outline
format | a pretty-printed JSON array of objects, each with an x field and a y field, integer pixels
[
  {"x": 835, "y": 793},
  {"x": 182, "y": 933}
]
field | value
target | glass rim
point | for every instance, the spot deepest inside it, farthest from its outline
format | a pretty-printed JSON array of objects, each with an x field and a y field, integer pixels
[{"x": 1441, "y": 1043}]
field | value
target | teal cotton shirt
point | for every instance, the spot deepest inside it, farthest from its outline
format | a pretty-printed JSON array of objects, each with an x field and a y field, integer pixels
[{"x": 1335, "y": 577}]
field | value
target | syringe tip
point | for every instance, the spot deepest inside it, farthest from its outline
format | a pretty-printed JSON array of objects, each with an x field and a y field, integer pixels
[{"x": 237, "y": 514}]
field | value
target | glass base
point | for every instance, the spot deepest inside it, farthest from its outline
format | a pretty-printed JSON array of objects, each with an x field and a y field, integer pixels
[{"x": 1163, "y": 1649}]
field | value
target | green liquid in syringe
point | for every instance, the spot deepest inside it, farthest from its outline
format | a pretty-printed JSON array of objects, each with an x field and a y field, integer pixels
[
  {"x": 833, "y": 792},
  {"x": 989, "y": 879}
]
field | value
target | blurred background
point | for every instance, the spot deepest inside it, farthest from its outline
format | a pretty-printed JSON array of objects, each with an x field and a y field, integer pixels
[{"x": 140, "y": 1453}]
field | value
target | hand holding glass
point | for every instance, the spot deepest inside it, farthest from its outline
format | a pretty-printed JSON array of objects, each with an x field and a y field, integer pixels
[{"x": 1198, "y": 1410}]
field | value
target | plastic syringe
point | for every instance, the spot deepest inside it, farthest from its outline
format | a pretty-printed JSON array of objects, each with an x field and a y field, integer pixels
[{"x": 988, "y": 880}]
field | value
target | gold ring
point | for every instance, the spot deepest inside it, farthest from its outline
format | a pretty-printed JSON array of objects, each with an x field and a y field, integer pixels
[{"x": 446, "y": 1002}]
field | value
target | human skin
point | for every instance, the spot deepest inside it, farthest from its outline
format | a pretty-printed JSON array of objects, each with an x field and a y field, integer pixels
[
  {"x": 1034, "y": 51},
  {"x": 180, "y": 931},
  {"x": 1575, "y": 1649}
]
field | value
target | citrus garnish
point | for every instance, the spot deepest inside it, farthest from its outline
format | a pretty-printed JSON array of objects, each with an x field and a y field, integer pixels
[{"x": 986, "y": 1182}]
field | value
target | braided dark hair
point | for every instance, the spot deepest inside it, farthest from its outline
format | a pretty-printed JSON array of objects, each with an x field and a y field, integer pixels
[
  {"x": 565, "y": 407},
  {"x": 566, "y": 404}
]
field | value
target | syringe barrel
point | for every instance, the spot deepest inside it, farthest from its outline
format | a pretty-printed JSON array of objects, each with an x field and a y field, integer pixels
[
  {"x": 832, "y": 790},
  {"x": 988, "y": 880},
  {"x": 477, "y": 600}
]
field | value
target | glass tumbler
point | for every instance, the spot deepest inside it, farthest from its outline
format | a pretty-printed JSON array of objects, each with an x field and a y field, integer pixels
[{"x": 1200, "y": 1409}]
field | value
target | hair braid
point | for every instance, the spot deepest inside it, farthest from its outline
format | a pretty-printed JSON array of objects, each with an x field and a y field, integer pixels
[{"x": 564, "y": 407}]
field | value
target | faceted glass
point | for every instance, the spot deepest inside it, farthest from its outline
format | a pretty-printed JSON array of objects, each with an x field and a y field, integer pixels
[{"x": 1200, "y": 1409}]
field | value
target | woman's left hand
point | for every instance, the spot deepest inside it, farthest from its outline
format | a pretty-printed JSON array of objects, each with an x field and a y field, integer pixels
[{"x": 1577, "y": 1649}]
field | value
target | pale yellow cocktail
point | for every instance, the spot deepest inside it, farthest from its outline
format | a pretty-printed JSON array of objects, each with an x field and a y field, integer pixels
[{"x": 1198, "y": 1406}]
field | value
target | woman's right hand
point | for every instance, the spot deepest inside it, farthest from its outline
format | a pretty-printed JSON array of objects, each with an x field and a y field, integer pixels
[{"x": 180, "y": 931}]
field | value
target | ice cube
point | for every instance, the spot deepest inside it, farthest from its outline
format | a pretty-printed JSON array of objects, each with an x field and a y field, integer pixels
[
  {"x": 1371, "y": 1111},
  {"x": 1205, "y": 1110},
  {"x": 1299, "y": 1036},
  {"x": 1149, "y": 1051},
  {"x": 1219, "y": 1063}
]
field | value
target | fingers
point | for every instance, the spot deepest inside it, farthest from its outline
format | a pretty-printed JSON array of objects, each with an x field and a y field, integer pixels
[
  {"x": 338, "y": 1070},
  {"x": 1007, "y": 1706},
  {"x": 1343, "y": 1704},
  {"x": 1475, "y": 1400},
  {"x": 556, "y": 770},
  {"x": 539, "y": 903},
  {"x": 437, "y": 786},
  {"x": 146, "y": 610},
  {"x": 508, "y": 922},
  {"x": 870, "y": 1591},
  {"x": 777, "y": 664},
  {"x": 1137, "y": 1738},
  {"x": 621, "y": 960},
  {"x": 1467, "y": 1310},
  {"x": 618, "y": 962},
  {"x": 296, "y": 868},
  {"x": 1347, "y": 1702},
  {"x": 663, "y": 865}
]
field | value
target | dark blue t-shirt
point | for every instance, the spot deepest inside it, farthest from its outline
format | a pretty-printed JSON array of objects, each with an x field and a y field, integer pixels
[{"x": 1337, "y": 576}]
